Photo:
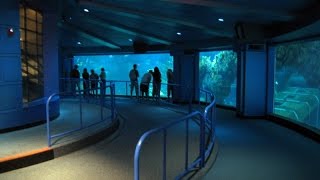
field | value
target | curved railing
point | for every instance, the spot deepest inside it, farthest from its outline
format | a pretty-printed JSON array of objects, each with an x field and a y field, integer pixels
[
  {"x": 207, "y": 127},
  {"x": 210, "y": 119},
  {"x": 208, "y": 95},
  {"x": 199, "y": 161},
  {"x": 102, "y": 105}
]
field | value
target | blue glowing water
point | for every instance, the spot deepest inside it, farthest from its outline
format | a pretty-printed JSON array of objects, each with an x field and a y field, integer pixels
[{"x": 117, "y": 67}]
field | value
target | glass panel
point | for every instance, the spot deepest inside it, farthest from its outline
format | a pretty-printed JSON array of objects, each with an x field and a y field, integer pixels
[
  {"x": 22, "y": 22},
  {"x": 31, "y": 49},
  {"x": 218, "y": 74},
  {"x": 40, "y": 50},
  {"x": 32, "y": 71},
  {"x": 22, "y": 46},
  {"x": 39, "y": 28},
  {"x": 31, "y": 44},
  {"x": 22, "y": 11},
  {"x": 40, "y": 61},
  {"x": 39, "y": 18},
  {"x": 22, "y": 35},
  {"x": 39, "y": 40},
  {"x": 31, "y": 25},
  {"x": 33, "y": 63},
  {"x": 25, "y": 88},
  {"x": 118, "y": 67},
  {"x": 31, "y": 14},
  {"x": 297, "y": 82},
  {"x": 24, "y": 69},
  {"x": 35, "y": 91},
  {"x": 31, "y": 37}
]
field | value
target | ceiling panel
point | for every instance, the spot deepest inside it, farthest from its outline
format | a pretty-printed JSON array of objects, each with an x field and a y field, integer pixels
[{"x": 112, "y": 23}]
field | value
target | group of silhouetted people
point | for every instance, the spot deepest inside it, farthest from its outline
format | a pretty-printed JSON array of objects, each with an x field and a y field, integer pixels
[
  {"x": 90, "y": 81},
  {"x": 154, "y": 74}
]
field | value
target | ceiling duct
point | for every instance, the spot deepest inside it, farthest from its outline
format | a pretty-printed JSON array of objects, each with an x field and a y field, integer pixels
[
  {"x": 249, "y": 32},
  {"x": 140, "y": 47}
]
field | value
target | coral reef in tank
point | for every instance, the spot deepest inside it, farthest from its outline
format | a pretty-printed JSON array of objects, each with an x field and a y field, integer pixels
[{"x": 217, "y": 73}]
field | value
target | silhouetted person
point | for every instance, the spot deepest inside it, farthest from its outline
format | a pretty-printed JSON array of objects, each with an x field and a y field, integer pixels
[
  {"x": 144, "y": 85},
  {"x": 75, "y": 78},
  {"x": 94, "y": 78},
  {"x": 170, "y": 79},
  {"x": 156, "y": 83},
  {"x": 103, "y": 82},
  {"x": 85, "y": 77},
  {"x": 134, "y": 75}
]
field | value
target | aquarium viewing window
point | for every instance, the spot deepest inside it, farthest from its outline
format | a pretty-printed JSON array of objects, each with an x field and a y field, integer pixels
[
  {"x": 297, "y": 82},
  {"x": 218, "y": 74},
  {"x": 117, "y": 67}
]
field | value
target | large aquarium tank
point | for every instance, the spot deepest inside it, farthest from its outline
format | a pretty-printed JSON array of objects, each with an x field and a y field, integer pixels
[
  {"x": 117, "y": 68},
  {"x": 297, "y": 82},
  {"x": 218, "y": 74}
]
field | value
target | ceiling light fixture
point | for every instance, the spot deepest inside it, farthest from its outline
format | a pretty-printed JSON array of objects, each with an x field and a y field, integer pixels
[
  {"x": 221, "y": 20},
  {"x": 86, "y": 10},
  {"x": 179, "y": 33}
]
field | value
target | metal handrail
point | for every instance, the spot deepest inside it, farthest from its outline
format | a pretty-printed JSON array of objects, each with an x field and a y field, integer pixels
[
  {"x": 50, "y": 136},
  {"x": 207, "y": 93},
  {"x": 199, "y": 161},
  {"x": 98, "y": 81},
  {"x": 208, "y": 117}
]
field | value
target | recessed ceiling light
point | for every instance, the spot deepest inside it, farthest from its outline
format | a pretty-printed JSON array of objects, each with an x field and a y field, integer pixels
[
  {"x": 86, "y": 10},
  {"x": 179, "y": 33},
  {"x": 78, "y": 42},
  {"x": 221, "y": 20},
  {"x": 130, "y": 40}
]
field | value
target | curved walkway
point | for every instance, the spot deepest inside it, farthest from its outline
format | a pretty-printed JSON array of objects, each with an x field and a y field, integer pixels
[
  {"x": 248, "y": 149},
  {"x": 33, "y": 138},
  {"x": 261, "y": 150},
  {"x": 112, "y": 158}
]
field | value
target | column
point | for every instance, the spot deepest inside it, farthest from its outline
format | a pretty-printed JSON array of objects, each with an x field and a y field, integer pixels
[
  {"x": 186, "y": 68},
  {"x": 10, "y": 62},
  {"x": 252, "y": 81}
]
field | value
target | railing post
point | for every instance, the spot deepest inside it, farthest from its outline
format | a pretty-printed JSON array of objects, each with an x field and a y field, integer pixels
[
  {"x": 202, "y": 139},
  {"x": 80, "y": 102},
  {"x": 48, "y": 121},
  {"x": 112, "y": 89},
  {"x": 190, "y": 101},
  {"x": 187, "y": 145},
  {"x": 214, "y": 118},
  {"x": 136, "y": 162},
  {"x": 101, "y": 107}
]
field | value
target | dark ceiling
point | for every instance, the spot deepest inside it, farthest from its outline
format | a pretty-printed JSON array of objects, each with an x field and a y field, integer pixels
[{"x": 114, "y": 25}]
